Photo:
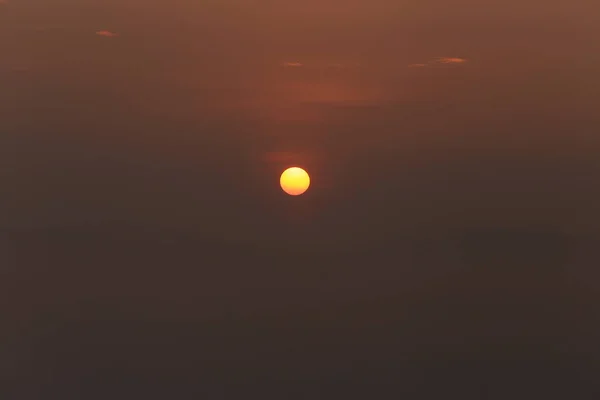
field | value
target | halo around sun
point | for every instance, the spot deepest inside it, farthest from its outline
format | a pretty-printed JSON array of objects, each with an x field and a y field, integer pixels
[{"x": 294, "y": 181}]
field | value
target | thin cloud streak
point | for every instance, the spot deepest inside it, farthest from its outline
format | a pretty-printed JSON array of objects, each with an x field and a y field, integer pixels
[
  {"x": 104, "y": 33},
  {"x": 292, "y": 64},
  {"x": 440, "y": 60},
  {"x": 450, "y": 60},
  {"x": 319, "y": 65}
]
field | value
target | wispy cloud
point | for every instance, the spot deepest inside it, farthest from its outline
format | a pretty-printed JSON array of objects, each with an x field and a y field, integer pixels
[
  {"x": 320, "y": 64},
  {"x": 108, "y": 34},
  {"x": 450, "y": 60},
  {"x": 440, "y": 60},
  {"x": 292, "y": 64}
]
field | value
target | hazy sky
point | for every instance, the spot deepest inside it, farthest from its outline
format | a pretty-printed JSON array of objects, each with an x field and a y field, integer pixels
[
  {"x": 184, "y": 113},
  {"x": 447, "y": 246}
]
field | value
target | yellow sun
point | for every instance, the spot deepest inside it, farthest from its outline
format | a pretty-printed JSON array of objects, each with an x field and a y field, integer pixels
[{"x": 294, "y": 181}]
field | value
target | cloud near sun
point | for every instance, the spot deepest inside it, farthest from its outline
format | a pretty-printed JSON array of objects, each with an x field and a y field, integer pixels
[{"x": 107, "y": 34}]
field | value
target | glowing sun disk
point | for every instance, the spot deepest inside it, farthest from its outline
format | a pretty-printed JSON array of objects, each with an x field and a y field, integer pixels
[{"x": 294, "y": 181}]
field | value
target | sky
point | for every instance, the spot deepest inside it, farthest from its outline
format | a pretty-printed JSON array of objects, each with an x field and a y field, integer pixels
[
  {"x": 173, "y": 112},
  {"x": 143, "y": 143}
]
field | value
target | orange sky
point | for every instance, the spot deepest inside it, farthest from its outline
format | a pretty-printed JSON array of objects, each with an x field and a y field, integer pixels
[{"x": 208, "y": 87}]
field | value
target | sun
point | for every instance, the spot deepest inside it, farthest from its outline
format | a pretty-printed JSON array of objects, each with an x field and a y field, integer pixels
[{"x": 294, "y": 181}]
